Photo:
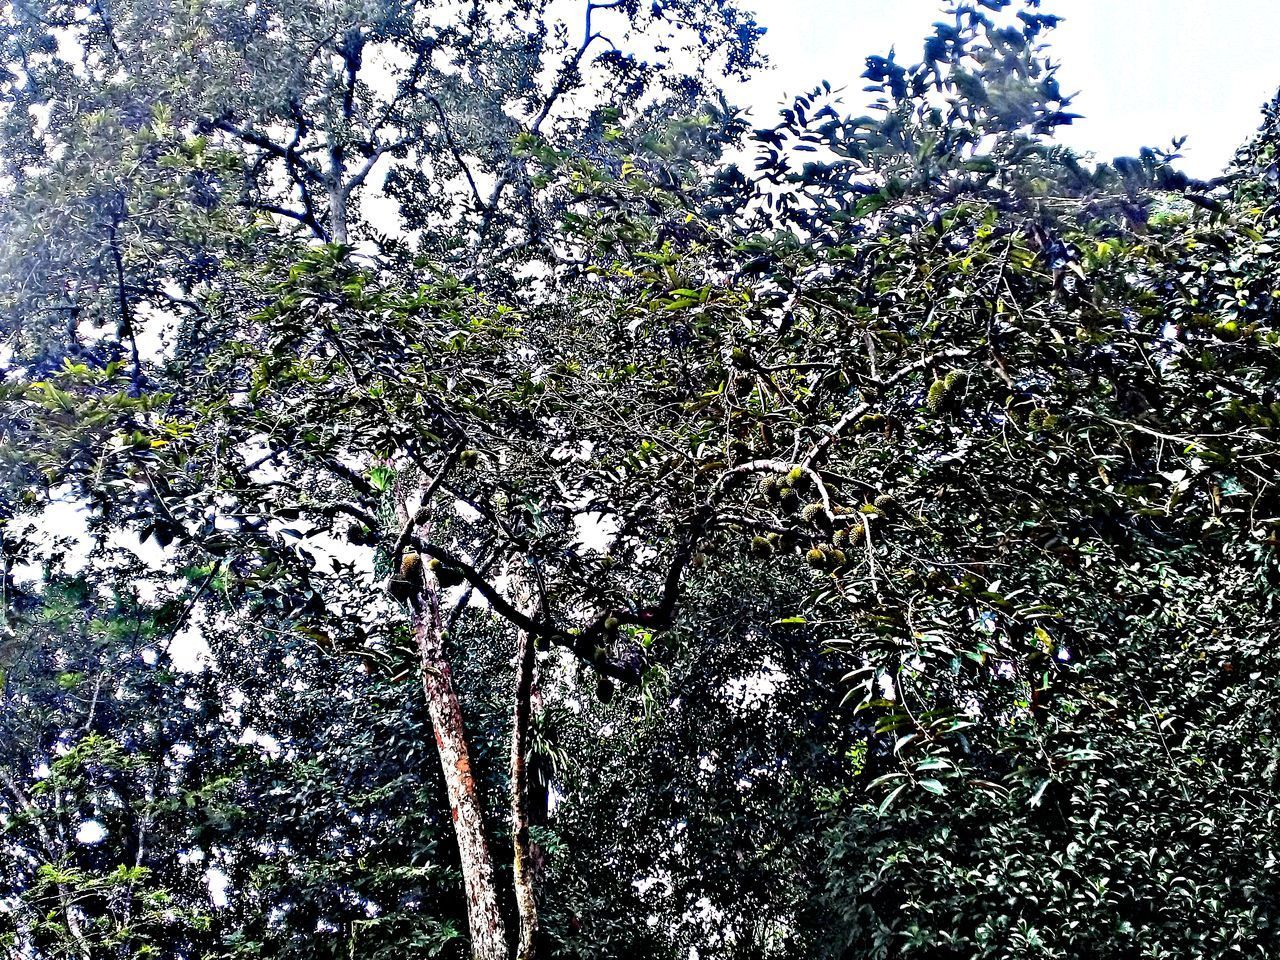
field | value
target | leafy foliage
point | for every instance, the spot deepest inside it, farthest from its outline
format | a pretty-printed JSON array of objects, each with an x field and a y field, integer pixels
[{"x": 895, "y": 529}]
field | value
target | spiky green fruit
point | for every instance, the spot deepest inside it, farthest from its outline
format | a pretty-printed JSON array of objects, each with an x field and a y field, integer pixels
[
  {"x": 837, "y": 557},
  {"x": 1036, "y": 418},
  {"x": 768, "y": 486},
  {"x": 937, "y": 396},
  {"x": 816, "y": 558},
  {"x": 813, "y": 513},
  {"x": 795, "y": 475},
  {"x": 445, "y": 576},
  {"x": 761, "y": 547},
  {"x": 870, "y": 422},
  {"x": 952, "y": 380},
  {"x": 886, "y": 503}
]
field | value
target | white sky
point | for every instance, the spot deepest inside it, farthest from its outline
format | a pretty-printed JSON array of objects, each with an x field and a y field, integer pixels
[{"x": 1147, "y": 70}]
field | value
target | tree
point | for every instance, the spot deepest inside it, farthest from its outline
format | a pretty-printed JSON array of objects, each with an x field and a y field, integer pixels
[
  {"x": 291, "y": 110},
  {"x": 982, "y": 429}
]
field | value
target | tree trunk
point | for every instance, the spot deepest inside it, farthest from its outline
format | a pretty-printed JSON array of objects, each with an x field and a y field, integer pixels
[
  {"x": 524, "y": 867},
  {"x": 336, "y": 188},
  {"x": 488, "y": 933},
  {"x": 337, "y": 214}
]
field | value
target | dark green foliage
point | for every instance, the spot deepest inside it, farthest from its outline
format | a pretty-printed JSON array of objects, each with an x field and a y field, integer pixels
[{"x": 1016, "y": 701}]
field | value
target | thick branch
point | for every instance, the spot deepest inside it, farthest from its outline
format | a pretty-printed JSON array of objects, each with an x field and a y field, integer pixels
[{"x": 861, "y": 410}]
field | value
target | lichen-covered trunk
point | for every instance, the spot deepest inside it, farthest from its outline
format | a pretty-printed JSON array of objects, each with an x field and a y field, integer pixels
[
  {"x": 524, "y": 867},
  {"x": 488, "y": 933}
]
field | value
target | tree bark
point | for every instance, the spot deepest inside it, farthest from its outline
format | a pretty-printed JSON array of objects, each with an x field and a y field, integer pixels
[
  {"x": 488, "y": 933},
  {"x": 523, "y": 863},
  {"x": 337, "y": 214},
  {"x": 336, "y": 188}
]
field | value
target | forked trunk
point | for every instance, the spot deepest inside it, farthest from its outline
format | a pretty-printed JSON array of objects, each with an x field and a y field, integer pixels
[{"x": 488, "y": 933}]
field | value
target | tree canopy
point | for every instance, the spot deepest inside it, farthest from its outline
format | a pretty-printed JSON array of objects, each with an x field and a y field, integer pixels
[{"x": 470, "y": 493}]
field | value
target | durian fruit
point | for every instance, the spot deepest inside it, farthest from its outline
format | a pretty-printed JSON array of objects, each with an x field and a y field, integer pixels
[
  {"x": 788, "y": 497},
  {"x": 942, "y": 389},
  {"x": 814, "y": 513},
  {"x": 604, "y": 689},
  {"x": 445, "y": 576},
  {"x": 869, "y": 422},
  {"x": 886, "y": 503},
  {"x": 837, "y": 557},
  {"x": 611, "y": 623},
  {"x": 1036, "y": 419},
  {"x": 816, "y": 558},
  {"x": 761, "y": 547},
  {"x": 407, "y": 582},
  {"x": 468, "y": 458},
  {"x": 795, "y": 475},
  {"x": 769, "y": 487},
  {"x": 357, "y": 533},
  {"x": 937, "y": 396},
  {"x": 411, "y": 566}
]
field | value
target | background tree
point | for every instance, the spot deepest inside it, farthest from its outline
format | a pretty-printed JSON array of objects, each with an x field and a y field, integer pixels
[{"x": 431, "y": 97}]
